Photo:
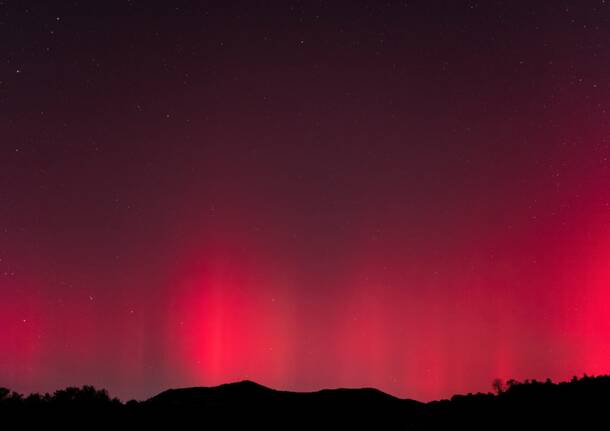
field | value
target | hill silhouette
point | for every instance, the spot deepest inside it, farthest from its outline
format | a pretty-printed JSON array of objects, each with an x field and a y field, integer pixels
[
  {"x": 531, "y": 403},
  {"x": 260, "y": 403},
  {"x": 246, "y": 392}
]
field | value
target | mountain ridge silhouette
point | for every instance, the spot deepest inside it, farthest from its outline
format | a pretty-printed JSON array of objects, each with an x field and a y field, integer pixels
[
  {"x": 249, "y": 387},
  {"x": 529, "y": 404},
  {"x": 247, "y": 395}
]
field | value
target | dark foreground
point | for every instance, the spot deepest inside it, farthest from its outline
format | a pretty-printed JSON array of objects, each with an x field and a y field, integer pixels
[{"x": 583, "y": 403}]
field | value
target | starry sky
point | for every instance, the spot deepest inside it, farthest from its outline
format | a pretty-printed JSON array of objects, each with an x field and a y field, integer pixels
[{"x": 409, "y": 195}]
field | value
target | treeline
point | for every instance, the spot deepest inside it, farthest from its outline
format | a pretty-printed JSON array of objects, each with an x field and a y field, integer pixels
[
  {"x": 512, "y": 403},
  {"x": 69, "y": 398},
  {"x": 528, "y": 404}
]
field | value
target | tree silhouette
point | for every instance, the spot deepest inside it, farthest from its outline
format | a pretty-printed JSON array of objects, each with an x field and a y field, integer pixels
[
  {"x": 498, "y": 386},
  {"x": 514, "y": 404}
]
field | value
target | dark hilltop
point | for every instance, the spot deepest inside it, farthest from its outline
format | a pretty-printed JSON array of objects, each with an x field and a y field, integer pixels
[{"x": 531, "y": 403}]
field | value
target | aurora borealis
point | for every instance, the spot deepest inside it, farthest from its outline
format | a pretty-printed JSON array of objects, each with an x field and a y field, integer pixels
[{"x": 413, "y": 196}]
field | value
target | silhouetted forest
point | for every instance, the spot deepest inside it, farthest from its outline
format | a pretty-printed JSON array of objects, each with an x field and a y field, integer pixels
[{"x": 531, "y": 403}]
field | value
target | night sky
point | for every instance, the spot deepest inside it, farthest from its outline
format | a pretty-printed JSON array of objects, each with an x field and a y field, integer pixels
[{"x": 409, "y": 195}]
